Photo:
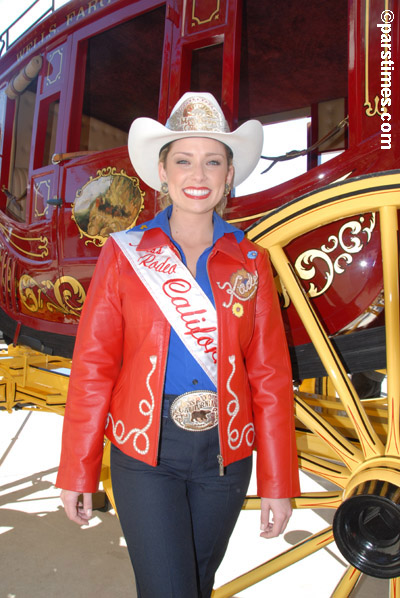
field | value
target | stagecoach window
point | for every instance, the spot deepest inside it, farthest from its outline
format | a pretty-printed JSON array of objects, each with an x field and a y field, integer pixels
[
  {"x": 293, "y": 60},
  {"x": 51, "y": 131},
  {"x": 206, "y": 71},
  {"x": 279, "y": 138},
  {"x": 122, "y": 80},
  {"x": 23, "y": 125},
  {"x": 3, "y": 104}
]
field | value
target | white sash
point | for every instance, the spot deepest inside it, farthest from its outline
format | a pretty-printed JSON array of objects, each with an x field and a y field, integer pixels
[{"x": 179, "y": 296}]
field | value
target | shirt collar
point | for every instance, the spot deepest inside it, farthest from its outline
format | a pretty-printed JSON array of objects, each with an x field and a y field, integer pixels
[{"x": 221, "y": 227}]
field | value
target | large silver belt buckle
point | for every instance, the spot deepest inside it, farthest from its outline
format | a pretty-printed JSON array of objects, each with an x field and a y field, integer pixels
[{"x": 195, "y": 411}]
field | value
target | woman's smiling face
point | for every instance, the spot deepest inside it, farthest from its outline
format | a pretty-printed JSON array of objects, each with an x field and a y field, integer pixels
[{"x": 196, "y": 170}]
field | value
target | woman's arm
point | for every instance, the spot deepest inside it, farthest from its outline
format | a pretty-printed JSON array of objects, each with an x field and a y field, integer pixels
[
  {"x": 96, "y": 364},
  {"x": 269, "y": 371}
]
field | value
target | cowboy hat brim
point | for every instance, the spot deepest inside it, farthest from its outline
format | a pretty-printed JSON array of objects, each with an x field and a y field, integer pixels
[{"x": 147, "y": 137}]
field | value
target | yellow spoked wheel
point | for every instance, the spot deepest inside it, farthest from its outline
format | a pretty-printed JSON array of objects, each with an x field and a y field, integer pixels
[{"x": 352, "y": 443}]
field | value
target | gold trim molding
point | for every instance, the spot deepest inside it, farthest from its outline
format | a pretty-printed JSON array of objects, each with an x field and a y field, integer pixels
[
  {"x": 107, "y": 203},
  {"x": 214, "y": 15},
  {"x": 369, "y": 110},
  {"x": 15, "y": 241},
  {"x": 46, "y": 196},
  {"x": 52, "y": 78}
]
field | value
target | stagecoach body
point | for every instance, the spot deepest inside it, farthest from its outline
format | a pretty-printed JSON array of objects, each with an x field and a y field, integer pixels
[
  {"x": 66, "y": 179},
  {"x": 69, "y": 89}
]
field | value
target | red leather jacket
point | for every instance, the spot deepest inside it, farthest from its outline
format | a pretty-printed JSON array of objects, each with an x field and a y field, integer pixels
[{"x": 117, "y": 378}]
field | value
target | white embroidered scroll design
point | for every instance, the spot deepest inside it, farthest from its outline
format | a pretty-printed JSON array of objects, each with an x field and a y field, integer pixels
[
  {"x": 146, "y": 407},
  {"x": 235, "y": 439},
  {"x": 242, "y": 286}
]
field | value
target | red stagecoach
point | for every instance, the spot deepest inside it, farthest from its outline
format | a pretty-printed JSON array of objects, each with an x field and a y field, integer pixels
[{"x": 69, "y": 88}]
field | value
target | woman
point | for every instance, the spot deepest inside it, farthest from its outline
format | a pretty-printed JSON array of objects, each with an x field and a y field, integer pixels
[{"x": 181, "y": 361}]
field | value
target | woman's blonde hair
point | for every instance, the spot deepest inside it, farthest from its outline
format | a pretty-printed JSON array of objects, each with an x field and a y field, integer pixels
[{"x": 164, "y": 199}]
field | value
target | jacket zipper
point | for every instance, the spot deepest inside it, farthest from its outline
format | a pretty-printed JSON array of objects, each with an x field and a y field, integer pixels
[
  {"x": 221, "y": 465},
  {"x": 220, "y": 458},
  {"x": 162, "y": 395}
]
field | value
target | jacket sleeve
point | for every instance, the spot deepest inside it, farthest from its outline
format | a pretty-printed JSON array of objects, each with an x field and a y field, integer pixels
[
  {"x": 96, "y": 364},
  {"x": 269, "y": 370}
]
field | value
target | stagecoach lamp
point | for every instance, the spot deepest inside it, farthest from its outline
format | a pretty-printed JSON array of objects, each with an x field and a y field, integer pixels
[{"x": 367, "y": 529}]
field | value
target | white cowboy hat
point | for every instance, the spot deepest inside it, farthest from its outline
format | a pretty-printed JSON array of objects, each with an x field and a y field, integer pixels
[{"x": 195, "y": 115}]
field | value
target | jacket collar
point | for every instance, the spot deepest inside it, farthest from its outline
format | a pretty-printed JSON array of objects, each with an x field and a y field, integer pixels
[
  {"x": 156, "y": 233},
  {"x": 155, "y": 238}
]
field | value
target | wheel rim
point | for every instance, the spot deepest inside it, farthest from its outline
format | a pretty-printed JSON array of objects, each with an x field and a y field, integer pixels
[{"x": 352, "y": 443}]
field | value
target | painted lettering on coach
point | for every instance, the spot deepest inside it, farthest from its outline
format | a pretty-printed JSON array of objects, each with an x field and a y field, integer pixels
[{"x": 71, "y": 18}]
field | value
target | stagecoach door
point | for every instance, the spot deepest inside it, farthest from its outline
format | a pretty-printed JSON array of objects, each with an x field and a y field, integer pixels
[{"x": 202, "y": 53}]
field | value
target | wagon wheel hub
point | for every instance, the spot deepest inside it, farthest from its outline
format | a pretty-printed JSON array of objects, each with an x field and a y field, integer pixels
[{"x": 367, "y": 529}]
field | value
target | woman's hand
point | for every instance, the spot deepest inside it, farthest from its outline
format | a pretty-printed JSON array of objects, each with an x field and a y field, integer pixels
[
  {"x": 75, "y": 510},
  {"x": 281, "y": 510}
]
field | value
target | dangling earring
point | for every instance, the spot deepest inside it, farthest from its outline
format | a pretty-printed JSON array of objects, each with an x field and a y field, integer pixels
[
  {"x": 164, "y": 188},
  {"x": 227, "y": 190}
]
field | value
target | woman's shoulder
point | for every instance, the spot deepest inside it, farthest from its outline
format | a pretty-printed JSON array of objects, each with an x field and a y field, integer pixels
[{"x": 251, "y": 250}]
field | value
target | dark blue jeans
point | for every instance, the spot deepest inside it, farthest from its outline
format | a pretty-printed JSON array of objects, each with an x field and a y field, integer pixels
[{"x": 177, "y": 517}]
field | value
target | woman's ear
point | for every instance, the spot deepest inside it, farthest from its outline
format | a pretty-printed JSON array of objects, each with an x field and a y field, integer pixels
[
  {"x": 162, "y": 172},
  {"x": 230, "y": 175}
]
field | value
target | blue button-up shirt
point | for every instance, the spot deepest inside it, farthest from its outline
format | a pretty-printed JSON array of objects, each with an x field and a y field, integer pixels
[{"x": 183, "y": 373}]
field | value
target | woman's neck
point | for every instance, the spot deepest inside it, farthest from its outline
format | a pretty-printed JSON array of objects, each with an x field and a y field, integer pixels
[
  {"x": 192, "y": 229},
  {"x": 193, "y": 233}
]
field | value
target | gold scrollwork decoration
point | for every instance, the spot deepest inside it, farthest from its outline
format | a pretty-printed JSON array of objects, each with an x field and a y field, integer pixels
[
  {"x": 334, "y": 264},
  {"x": 66, "y": 295},
  {"x": 17, "y": 240},
  {"x": 107, "y": 203},
  {"x": 371, "y": 111}
]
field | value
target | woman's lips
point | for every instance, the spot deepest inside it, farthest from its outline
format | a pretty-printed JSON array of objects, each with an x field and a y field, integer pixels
[{"x": 197, "y": 192}]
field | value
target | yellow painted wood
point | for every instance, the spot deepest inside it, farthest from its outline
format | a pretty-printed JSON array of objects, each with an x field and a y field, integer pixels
[
  {"x": 28, "y": 377},
  {"x": 105, "y": 476},
  {"x": 394, "y": 590},
  {"x": 346, "y": 452},
  {"x": 307, "y": 500},
  {"x": 347, "y": 583},
  {"x": 285, "y": 559},
  {"x": 370, "y": 442},
  {"x": 329, "y": 470},
  {"x": 327, "y": 205},
  {"x": 390, "y": 258}
]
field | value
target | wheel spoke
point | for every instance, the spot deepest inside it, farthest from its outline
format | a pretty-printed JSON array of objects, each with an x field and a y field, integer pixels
[
  {"x": 390, "y": 257},
  {"x": 307, "y": 500},
  {"x": 106, "y": 475},
  {"x": 370, "y": 442},
  {"x": 347, "y": 583},
  {"x": 318, "y": 500},
  {"x": 292, "y": 555},
  {"x": 394, "y": 591},
  {"x": 353, "y": 443},
  {"x": 335, "y": 473},
  {"x": 347, "y": 453}
]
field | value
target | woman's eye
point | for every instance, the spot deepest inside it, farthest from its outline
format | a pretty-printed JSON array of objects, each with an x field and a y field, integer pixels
[
  {"x": 214, "y": 162},
  {"x": 182, "y": 161}
]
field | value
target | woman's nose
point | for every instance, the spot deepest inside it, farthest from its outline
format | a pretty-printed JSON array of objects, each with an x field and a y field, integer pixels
[{"x": 198, "y": 172}]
